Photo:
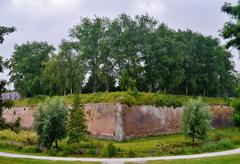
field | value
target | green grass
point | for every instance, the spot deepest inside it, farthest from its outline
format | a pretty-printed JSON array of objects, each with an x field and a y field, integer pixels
[
  {"x": 219, "y": 139},
  {"x": 231, "y": 159},
  {"x": 130, "y": 98},
  {"x": 6, "y": 160}
]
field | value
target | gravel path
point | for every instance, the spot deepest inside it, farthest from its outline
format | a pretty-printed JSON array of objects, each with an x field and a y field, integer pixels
[{"x": 122, "y": 160}]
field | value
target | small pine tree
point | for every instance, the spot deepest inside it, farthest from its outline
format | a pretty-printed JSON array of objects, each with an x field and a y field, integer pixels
[
  {"x": 77, "y": 123},
  {"x": 196, "y": 119}
]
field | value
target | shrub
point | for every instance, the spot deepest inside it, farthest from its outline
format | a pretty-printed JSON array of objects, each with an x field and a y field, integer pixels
[
  {"x": 50, "y": 122},
  {"x": 131, "y": 153},
  {"x": 196, "y": 119},
  {"x": 31, "y": 149},
  {"x": 236, "y": 113},
  {"x": 111, "y": 150},
  {"x": 92, "y": 151},
  {"x": 225, "y": 144}
]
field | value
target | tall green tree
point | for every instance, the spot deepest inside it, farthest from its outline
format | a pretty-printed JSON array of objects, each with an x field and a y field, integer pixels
[
  {"x": 27, "y": 66},
  {"x": 231, "y": 28},
  {"x": 4, "y": 104},
  {"x": 92, "y": 43},
  {"x": 64, "y": 72},
  {"x": 136, "y": 53},
  {"x": 77, "y": 123},
  {"x": 50, "y": 121}
]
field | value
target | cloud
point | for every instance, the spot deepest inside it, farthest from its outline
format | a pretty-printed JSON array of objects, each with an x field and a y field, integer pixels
[
  {"x": 45, "y": 4},
  {"x": 153, "y": 7},
  {"x": 49, "y": 20}
]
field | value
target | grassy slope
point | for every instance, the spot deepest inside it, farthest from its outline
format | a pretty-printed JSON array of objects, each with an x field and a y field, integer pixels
[
  {"x": 129, "y": 98},
  {"x": 219, "y": 139}
]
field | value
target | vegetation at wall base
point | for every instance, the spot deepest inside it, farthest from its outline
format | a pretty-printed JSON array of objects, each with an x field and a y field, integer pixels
[{"x": 177, "y": 144}]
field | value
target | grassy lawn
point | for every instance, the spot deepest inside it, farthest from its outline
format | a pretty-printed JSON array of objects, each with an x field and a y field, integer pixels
[
  {"x": 219, "y": 139},
  {"x": 6, "y": 160},
  {"x": 231, "y": 159}
]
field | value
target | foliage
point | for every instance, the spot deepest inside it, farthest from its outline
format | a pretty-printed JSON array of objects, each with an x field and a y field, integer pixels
[
  {"x": 140, "y": 147},
  {"x": 196, "y": 119},
  {"x": 236, "y": 113},
  {"x": 126, "y": 53},
  {"x": 27, "y": 65},
  {"x": 77, "y": 127},
  {"x": 5, "y": 104},
  {"x": 5, "y": 31},
  {"x": 111, "y": 150},
  {"x": 129, "y": 98},
  {"x": 231, "y": 28},
  {"x": 50, "y": 122}
]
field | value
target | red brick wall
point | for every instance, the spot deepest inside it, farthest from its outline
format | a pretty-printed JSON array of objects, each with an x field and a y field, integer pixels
[
  {"x": 149, "y": 120},
  {"x": 101, "y": 119},
  {"x": 222, "y": 116},
  {"x": 120, "y": 121},
  {"x": 25, "y": 113}
]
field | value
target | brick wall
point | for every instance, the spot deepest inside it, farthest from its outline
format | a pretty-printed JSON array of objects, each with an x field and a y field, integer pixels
[{"x": 118, "y": 121}]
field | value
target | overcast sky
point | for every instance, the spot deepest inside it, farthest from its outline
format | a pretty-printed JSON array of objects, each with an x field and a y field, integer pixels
[{"x": 50, "y": 20}]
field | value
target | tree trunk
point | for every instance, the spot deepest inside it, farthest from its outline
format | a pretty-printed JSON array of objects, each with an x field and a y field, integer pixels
[{"x": 56, "y": 144}]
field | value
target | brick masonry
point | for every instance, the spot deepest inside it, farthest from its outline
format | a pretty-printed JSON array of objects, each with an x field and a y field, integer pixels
[{"x": 119, "y": 121}]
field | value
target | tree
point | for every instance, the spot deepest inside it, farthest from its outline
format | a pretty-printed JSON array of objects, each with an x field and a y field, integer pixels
[
  {"x": 27, "y": 65},
  {"x": 236, "y": 114},
  {"x": 5, "y": 31},
  {"x": 50, "y": 121},
  {"x": 231, "y": 28},
  {"x": 77, "y": 127},
  {"x": 196, "y": 119},
  {"x": 91, "y": 42},
  {"x": 67, "y": 70},
  {"x": 4, "y": 104},
  {"x": 126, "y": 53}
]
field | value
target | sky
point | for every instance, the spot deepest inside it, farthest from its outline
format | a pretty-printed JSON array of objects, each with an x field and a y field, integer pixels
[{"x": 50, "y": 20}]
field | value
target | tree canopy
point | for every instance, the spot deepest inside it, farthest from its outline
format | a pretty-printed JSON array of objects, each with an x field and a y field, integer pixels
[
  {"x": 27, "y": 66},
  {"x": 4, "y": 104},
  {"x": 125, "y": 53},
  {"x": 231, "y": 28}
]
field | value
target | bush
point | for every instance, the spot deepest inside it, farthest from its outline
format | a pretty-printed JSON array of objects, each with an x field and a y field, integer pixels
[
  {"x": 131, "y": 154},
  {"x": 92, "y": 151},
  {"x": 111, "y": 150},
  {"x": 52, "y": 152},
  {"x": 225, "y": 144},
  {"x": 31, "y": 149},
  {"x": 236, "y": 113},
  {"x": 196, "y": 119},
  {"x": 50, "y": 122}
]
